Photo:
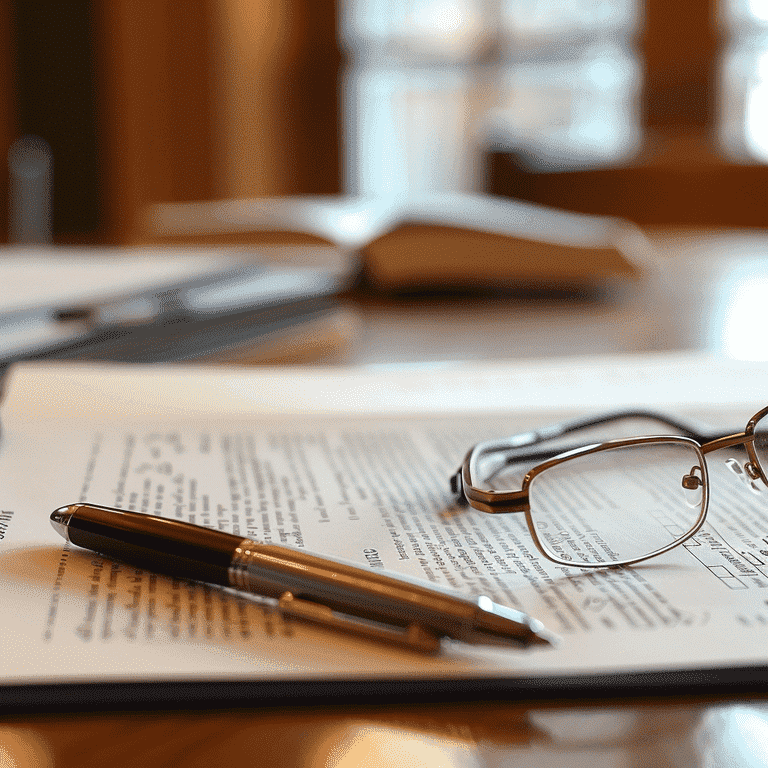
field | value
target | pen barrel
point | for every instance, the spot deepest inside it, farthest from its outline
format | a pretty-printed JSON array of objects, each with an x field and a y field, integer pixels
[
  {"x": 272, "y": 570},
  {"x": 178, "y": 549},
  {"x": 188, "y": 551},
  {"x": 191, "y": 552}
]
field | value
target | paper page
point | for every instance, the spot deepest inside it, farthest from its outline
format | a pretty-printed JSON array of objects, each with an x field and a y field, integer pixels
[
  {"x": 584, "y": 384},
  {"x": 355, "y": 221},
  {"x": 370, "y": 490}
]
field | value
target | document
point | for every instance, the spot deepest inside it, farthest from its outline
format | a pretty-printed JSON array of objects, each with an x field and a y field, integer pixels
[{"x": 344, "y": 463}]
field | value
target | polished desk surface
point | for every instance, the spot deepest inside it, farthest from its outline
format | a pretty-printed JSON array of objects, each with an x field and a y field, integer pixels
[
  {"x": 481, "y": 735},
  {"x": 701, "y": 292},
  {"x": 705, "y": 294}
]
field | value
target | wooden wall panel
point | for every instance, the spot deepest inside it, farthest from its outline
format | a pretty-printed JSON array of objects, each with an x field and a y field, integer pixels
[
  {"x": 277, "y": 97},
  {"x": 7, "y": 112},
  {"x": 156, "y": 120},
  {"x": 213, "y": 99},
  {"x": 679, "y": 50},
  {"x": 256, "y": 47}
]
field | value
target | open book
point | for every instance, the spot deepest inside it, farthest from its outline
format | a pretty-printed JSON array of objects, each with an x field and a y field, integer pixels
[
  {"x": 345, "y": 463},
  {"x": 430, "y": 240}
]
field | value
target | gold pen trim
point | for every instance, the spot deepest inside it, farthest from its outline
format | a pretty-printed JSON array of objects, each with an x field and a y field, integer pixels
[{"x": 413, "y": 637}]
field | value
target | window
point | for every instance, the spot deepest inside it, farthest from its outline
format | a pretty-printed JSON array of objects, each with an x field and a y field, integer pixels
[
  {"x": 743, "y": 80},
  {"x": 430, "y": 85}
]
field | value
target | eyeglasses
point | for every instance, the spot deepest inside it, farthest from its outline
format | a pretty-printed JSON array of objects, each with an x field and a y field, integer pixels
[{"x": 607, "y": 503}]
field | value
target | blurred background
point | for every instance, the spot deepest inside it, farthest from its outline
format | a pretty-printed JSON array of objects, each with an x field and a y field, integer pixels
[{"x": 652, "y": 110}]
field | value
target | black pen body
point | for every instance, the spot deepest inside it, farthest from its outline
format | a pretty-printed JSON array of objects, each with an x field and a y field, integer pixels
[
  {"x": 159, "y": 544},
  {"x": 187, "y": 551}
]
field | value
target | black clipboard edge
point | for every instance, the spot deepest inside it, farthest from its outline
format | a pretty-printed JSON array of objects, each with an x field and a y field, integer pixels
[{"x": 214, "y": 695}]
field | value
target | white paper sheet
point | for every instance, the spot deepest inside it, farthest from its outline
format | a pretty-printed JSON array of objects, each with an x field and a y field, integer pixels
[{"x": 306, "y": 458}]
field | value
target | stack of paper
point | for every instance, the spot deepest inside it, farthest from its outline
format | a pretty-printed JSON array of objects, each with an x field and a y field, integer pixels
[{"x": 345, "y": 462}]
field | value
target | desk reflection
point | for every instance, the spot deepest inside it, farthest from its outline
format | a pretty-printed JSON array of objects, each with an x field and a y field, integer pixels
[
  {"x": 701, "y": 291},
  {"x": 481, "y": 735}
]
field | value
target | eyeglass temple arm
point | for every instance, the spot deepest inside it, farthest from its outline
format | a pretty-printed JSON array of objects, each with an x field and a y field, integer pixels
[
  {"x": 686, "y": 427},
  {"x": 516, "y": 445}
]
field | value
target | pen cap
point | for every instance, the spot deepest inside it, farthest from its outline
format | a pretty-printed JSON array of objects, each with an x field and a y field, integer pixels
[{"x": 159, "y": 544}]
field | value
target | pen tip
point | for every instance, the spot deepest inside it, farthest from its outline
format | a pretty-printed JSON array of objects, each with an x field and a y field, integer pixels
[
  {"x": 501, "y": 625},
  {"x": 542, "y": 636}
]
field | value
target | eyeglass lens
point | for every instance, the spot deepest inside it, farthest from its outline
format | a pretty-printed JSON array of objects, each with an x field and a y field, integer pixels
[{"x": 618, "y": 504}]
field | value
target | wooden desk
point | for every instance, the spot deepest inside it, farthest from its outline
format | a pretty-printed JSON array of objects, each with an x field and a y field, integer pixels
[
  {"x": 687, "y": 304},
  {"x": 700, "y": 292},
  {"x": 656, "y": 733}
]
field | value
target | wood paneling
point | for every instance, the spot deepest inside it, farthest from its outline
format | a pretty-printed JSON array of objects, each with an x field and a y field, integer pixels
[
  {"x": 679, "y": 180},
  {"x": 278, "y": 67},
  {"x": 214, "y": 99},
  {"x": 679, "y": 51},
  {"x": 156, "y": 115},
  {"x": 7, "y": 112}
]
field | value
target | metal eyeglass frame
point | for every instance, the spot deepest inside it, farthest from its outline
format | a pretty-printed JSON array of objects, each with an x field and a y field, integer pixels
[{"x": 517, "y": 449}]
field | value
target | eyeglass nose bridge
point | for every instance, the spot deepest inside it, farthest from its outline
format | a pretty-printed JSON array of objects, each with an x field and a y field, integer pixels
[
  {"x": 748, "y": 474},
  {"x": 750, "y": 471}
]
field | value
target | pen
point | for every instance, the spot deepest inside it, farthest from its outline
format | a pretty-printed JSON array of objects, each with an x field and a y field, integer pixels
[{"x": 307, "y": 587}]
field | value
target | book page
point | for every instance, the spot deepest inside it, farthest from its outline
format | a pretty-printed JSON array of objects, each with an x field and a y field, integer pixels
[{"x": 369, "y": 490}]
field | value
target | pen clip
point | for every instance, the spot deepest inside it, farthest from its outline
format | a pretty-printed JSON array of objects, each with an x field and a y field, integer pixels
[{"x": 413, "y": 636}]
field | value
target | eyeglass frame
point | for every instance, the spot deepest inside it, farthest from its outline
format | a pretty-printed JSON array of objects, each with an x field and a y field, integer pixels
[{"x": 507, "y": 502}]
